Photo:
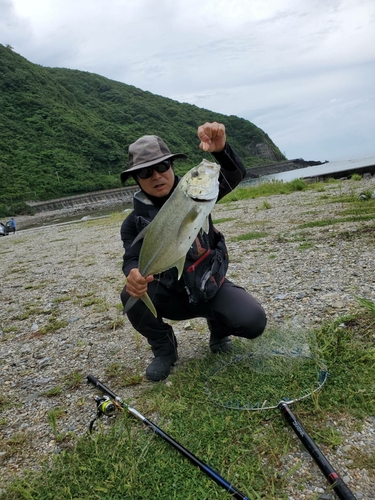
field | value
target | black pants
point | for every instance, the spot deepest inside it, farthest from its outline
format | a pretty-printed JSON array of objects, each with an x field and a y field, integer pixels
[{"x": 231, "y": 312}]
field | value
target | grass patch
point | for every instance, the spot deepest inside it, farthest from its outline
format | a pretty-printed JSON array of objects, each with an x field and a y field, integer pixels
[
  {"x": 30, "y": 310},
  {"x": 246, "y": 448},
  {"x": 268, "y": 188},
  {"x": 35, "y": 287},
  {"x": 249, "y": 236},
  {"x": 124, "y": 375},
  {"x": 74, "y": 380},
  {"x": 54, "y": 391},
  {"x": 306, "y": 245},
  {"x": 53, "y": 325},
  {"x": 224, "y": 219},
  {"x": 63, "y": 298},
  {"x": 338, "y": 220}
]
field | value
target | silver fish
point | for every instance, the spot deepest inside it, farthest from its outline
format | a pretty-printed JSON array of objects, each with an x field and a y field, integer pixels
[{"x": 168, "y": 237}]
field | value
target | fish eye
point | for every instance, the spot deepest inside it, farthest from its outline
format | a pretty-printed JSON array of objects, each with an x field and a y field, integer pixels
[{"x": 194, "y": 174}]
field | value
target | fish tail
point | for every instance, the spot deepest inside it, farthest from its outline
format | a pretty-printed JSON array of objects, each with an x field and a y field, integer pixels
[
  {"x": 148, "y": 302},
  {"x": 129, "y": 304},
  {"x": 145, "y": 299}
]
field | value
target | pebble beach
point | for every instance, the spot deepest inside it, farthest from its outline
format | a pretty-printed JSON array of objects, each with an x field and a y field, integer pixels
[{"x": 61, "y": 317}]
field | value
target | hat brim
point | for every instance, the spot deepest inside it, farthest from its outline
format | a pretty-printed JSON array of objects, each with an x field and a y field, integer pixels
[{"x": 127, "y": 173}]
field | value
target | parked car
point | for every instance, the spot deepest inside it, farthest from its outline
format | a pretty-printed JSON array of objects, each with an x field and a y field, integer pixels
[{"x": 4, "y": 231}]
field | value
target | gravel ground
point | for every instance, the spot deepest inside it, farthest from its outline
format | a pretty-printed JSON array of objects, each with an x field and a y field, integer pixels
[{"x": 61, "y": 317}]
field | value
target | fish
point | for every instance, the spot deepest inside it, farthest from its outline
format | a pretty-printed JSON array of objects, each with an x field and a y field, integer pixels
[{"x": 168, "y": 237}]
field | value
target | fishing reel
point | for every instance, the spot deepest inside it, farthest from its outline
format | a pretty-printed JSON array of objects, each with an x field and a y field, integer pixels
[{"x": 104, "y": 406}]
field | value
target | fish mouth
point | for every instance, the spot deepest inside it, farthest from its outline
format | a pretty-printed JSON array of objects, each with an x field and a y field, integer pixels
[{"x": 202, "y": 200}]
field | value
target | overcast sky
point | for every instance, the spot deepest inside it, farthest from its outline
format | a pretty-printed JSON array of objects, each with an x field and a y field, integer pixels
[{"x": 301, "y": 70}]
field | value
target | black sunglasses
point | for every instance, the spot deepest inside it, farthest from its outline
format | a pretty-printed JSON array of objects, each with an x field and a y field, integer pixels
[{"x": 146, "y": 173}]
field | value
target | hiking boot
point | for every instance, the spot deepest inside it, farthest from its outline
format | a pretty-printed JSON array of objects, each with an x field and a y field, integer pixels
[
  {"x": 220, "y": 344},
  {"x": 160, "y": 367}
]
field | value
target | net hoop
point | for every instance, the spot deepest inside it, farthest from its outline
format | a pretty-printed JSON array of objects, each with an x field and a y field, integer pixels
[{"x": 322, "y": 376}]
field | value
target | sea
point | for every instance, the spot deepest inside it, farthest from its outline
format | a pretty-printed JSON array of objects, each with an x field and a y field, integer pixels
[{"x": 324, "y": 169}]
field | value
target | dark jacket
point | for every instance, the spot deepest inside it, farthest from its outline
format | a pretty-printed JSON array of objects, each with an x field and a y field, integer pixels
[{"x": 207, "y": 260}]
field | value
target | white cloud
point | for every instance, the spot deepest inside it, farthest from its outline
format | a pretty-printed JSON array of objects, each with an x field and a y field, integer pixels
[{"x": 302, "y": 71}]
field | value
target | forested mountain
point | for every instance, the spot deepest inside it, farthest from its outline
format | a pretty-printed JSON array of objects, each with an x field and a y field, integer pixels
[{"x": 64, "y": 132}]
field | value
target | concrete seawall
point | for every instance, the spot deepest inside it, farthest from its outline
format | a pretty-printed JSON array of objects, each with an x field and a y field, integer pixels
[{"x": 110, "y": 196}]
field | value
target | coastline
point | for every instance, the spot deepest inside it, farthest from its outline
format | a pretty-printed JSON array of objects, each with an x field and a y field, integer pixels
[
  {"x": 279, "y": 167},
  {"x": 73, "y": 213}
]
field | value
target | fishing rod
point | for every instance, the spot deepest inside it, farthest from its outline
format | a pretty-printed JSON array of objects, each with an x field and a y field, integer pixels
[
  {"x": 338, "y": 485},
  {"x": 106, "y": 407}
]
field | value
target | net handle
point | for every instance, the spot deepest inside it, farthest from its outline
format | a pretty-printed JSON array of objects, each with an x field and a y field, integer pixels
[{"x": 338, "y": 485}]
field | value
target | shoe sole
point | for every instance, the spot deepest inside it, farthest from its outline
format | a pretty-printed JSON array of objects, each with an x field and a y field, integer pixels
[
  {"x": 225, "y": 348},
  {"x": 158, "y": 379}
]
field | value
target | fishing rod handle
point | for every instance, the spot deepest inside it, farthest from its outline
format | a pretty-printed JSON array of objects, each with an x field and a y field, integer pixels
[
  {"x": 96, "y": 382},
  {"x": 339, "y": 487},
  {"x": 342, "y": 491}
]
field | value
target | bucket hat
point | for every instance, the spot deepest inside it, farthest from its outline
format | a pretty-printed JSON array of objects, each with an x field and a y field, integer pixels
[{"x": 148, "y": 150}]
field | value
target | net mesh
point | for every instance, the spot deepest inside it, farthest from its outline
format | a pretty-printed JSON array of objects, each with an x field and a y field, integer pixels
[{"x": 282, "y": 365}]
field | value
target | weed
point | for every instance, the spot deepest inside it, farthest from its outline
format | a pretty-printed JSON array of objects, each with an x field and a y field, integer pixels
[
  {"x": 52, "y": 326},
  {"x": 306, "y": 245},
  {"x": 249, "y": 236},
  {"x": 268, "y": 188},
  {"x": 117, "y": 323},
  {"x": 329, "y": 436},
  {"x": 298, "y": 185},
  {"x": 18, "y": 439},
  {"x": 226, "y": 219},
  {"x": 74, "y": 379},
  {"x": 54, "y": 391},
  {"x": 53, "y": 416},
  {"x": 265, "y": 205},
  {"x": 367, "y": 304},
  {"x": 362, "y": 460},
  {"x": 35, "y": 287},
  {"x": 64, "y": 298},
  {"x": 338, "y": 220},
  {"x": 113, "y": 370}
]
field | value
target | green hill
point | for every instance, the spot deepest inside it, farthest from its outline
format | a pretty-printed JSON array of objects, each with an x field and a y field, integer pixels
[{"x": 65, "y": 132}]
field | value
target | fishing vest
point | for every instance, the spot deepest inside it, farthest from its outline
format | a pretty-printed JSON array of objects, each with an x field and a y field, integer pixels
[{"x": 206, "y": 262}]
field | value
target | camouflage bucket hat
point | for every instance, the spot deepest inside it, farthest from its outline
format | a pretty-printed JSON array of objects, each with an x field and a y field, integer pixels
[{"x": 148, "y": 150}]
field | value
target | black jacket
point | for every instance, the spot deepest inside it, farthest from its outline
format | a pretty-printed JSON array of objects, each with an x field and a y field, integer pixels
[{"x": 208, "y": 251}]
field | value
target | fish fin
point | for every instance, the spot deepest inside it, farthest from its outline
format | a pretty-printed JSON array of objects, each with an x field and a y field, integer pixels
[
  {"x": 148, "y": 302},
  {"x": 186, "y": 226},
  {"x": 206, "y": 225},
  {"x": 145, "y": 299},
  {"x": 129, "y": 304},
  {"x": 141, "y": 235},
  {"x": 180, "y": 265}
]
